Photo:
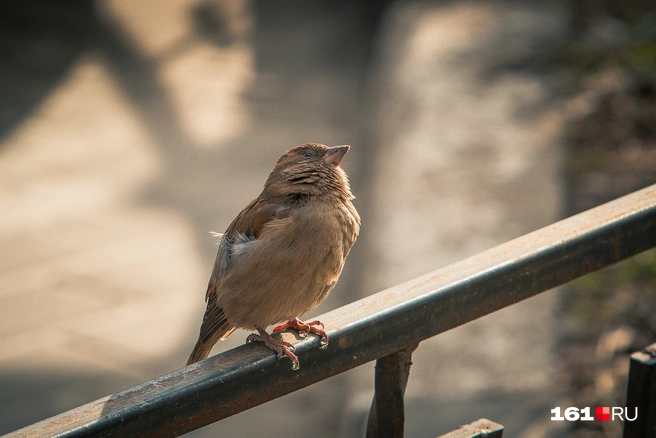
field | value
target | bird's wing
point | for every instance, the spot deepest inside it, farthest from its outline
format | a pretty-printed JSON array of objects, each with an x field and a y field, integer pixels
[
  {"x": 246, "y": 226},
  {"x": 250, "y": 221}
]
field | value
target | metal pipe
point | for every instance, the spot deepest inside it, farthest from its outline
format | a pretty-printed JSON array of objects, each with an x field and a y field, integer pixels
[
  {"x": 373, "y": 327},
  {"x": 641, "y": 395}
]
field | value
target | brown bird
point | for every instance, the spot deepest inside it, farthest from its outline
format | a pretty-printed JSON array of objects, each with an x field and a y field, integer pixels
[{"x": 283, "y": 253}]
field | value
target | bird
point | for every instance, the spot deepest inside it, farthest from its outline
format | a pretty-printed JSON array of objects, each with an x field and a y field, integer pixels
[{"x": 283, "y": 253}]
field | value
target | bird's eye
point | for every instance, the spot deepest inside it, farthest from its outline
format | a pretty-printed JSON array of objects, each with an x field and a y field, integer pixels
[{"x": 309, "y": 155}]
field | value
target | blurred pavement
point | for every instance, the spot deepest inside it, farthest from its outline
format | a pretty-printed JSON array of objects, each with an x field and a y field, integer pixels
[
  {"x": 167, "y": 122},
  {"x": 468, "y": 133}
]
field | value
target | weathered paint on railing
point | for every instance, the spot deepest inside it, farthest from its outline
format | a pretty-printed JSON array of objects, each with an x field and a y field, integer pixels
[{"x": 371, "y": 328}]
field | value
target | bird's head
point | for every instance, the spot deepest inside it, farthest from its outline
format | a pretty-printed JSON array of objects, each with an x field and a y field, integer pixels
[{"x": 310, "y": 169}]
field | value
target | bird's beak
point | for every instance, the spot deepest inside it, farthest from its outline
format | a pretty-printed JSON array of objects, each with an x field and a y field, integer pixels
[{"x": 335, "y": 154}]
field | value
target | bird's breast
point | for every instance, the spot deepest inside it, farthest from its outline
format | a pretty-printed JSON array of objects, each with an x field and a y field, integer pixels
[{"x": 290, "y": 268}]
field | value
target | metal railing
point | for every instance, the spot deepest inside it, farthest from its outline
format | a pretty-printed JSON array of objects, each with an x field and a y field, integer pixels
[
  {"x": 641, "y": 394},
  {"x": 385, "y": 327}
]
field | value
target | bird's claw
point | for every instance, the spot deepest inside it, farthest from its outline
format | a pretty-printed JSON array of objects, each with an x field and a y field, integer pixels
[
  {"x": 285, "y": 348},
  {"x": 316, "y": 327},
  {"x": 277, "y": 346},
  {"x": 282, "y": 348},
  {"x": 295, "y": 364}
]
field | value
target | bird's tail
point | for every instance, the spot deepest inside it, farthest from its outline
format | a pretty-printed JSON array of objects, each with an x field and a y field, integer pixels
[
  {"x": 215, "y": 326},
  {"x": 204, "y": 345},
  {"x": 200, "y": 352}
]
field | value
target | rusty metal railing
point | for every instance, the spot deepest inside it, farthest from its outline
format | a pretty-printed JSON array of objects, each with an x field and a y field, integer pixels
[
  {"x": 373, "y": 328},
  {"x": 641, "y": 394}
]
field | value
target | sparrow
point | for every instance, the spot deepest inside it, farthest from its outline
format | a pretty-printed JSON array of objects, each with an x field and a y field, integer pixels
[{"x": 283, "y": 253}]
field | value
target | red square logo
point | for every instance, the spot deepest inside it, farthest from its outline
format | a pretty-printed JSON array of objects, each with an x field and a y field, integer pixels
[{"x": 602, "y": 413}]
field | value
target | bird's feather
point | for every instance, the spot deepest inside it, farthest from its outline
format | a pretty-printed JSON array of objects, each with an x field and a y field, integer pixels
[{"x": 214, "y": 327}]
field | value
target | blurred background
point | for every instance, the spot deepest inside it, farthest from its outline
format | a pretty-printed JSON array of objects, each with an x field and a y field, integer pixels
[{"x": 131, "y": 128}]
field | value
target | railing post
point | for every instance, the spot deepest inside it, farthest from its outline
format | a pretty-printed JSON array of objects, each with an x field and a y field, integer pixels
[
  {"x": 641, "y": 394},
  {"x": 387, "y": 414}
]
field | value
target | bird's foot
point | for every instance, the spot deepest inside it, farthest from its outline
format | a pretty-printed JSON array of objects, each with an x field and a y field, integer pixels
[
  {"x": 304, "y": 328},
  {"x": 280, "y": 347}
]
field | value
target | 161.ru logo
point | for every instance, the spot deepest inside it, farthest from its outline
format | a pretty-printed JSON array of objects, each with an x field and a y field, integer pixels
[{"x": 602, "y": 413}]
